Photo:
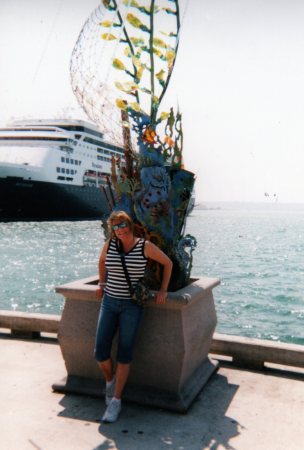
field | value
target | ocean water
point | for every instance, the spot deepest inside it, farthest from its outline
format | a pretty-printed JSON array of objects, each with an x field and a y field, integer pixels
[{"x": 255, "y": 250}]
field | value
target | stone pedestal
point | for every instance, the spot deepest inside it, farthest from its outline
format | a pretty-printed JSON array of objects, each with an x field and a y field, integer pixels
[{"x": 171, "y": 363}]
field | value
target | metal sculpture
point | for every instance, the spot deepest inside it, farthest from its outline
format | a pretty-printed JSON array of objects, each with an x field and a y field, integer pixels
[{"x": 151, "y": 183}]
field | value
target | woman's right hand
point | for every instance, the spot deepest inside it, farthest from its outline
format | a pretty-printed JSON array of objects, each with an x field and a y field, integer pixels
[{"x": 99, "y": 292}]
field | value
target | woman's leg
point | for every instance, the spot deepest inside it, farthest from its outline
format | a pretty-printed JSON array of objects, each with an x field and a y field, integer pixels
[
  {"x": 106, "y": 328},
  {"x": 106, "y": 368},
  {"x": 129, "y": 322},
  {"x": 122, "y": 373}
]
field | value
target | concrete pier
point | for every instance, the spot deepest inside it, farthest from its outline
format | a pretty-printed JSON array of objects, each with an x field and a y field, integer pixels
[
  {"x": 237, "y": 410},
  {"x": 240, "y": 351}
]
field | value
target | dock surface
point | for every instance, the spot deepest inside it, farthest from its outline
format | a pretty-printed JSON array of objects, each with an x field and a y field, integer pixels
[{"x": 237, "y": 410}]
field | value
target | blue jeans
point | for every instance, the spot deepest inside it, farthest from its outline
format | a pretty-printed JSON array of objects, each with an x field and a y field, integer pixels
[{"x": 122, "y": 315}]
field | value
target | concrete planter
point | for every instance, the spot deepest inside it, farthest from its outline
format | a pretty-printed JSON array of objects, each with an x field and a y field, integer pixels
[{"x": 171, "y": 363}]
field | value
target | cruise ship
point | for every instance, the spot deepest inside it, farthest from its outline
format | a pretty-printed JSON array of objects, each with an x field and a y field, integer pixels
[{"x": 54, "y": 170}]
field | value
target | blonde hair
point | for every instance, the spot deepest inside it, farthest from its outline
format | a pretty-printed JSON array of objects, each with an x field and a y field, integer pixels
[{"x": 123, "y": 217}]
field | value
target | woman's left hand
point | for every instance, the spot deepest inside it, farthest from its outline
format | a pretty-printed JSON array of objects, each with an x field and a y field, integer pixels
[{"x": 160, "y": 297}]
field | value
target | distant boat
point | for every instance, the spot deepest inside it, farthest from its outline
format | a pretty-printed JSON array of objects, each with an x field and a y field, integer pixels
[{"x": 54, "y": 169}]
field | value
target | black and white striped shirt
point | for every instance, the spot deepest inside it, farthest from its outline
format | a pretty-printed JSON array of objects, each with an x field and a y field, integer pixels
[{"x": 117, "y": 285}]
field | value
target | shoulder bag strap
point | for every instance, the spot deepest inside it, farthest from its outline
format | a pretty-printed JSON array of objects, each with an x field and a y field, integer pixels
[{"x": 123, "y": 262}]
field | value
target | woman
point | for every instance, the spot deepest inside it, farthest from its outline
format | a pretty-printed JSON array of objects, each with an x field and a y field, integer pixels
[{"x": 118, "y": 310}]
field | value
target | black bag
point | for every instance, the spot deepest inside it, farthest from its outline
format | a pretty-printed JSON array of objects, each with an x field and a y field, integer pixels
[{"x": 139, "y": 293}]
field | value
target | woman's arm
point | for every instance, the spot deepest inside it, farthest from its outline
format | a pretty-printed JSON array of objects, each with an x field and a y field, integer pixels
[
  {"x": 102, "y": 270},
  {"x": 153, "y": 252}
]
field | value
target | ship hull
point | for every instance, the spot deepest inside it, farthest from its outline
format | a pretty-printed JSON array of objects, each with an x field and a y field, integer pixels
[{"x": 23, "y": 200}]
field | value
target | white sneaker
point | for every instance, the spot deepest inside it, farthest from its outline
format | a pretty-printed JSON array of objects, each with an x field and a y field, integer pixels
[
  {"x": 112, "y": 412},
  {"x": 110, "y": 388}
]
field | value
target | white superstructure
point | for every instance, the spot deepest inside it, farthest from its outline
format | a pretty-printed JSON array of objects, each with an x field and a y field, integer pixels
[
  {"x": 55, "y": 151},
  {"x": 38, "y": 155}
]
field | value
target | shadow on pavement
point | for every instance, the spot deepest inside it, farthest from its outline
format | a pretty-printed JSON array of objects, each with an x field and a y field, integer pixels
[{"x": 205, "y": 426}]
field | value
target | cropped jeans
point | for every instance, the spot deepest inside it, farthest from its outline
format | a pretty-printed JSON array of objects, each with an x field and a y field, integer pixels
[{"x": 124, "y": 316}]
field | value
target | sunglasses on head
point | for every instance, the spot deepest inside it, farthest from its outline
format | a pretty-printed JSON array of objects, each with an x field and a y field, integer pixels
[{"x": 119, "y": 225}]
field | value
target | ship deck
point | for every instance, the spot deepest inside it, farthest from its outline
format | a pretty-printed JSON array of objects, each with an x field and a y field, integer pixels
[{"x": 238, "y": 409}]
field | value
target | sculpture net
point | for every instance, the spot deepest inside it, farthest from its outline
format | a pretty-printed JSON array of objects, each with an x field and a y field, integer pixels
[{"x": 89, "y": 76}]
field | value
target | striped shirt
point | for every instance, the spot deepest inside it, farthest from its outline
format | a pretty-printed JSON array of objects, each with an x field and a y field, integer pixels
[{"x": 117, "y": 285}]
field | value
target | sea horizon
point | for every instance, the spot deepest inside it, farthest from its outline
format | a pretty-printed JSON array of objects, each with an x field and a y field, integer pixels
[{"x": 250, "y": 205}]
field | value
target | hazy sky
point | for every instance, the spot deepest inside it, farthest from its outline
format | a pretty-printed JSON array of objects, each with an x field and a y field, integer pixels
[{"x": 239, "y": 81}]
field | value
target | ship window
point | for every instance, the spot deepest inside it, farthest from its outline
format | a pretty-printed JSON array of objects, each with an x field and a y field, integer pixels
[
  {"x": 67, "y": 171},
  {"x": 69, "y": 179},
  {"x": 67, "y": 160},
  {"x": 29, "y": 128},
  {"x": 62, "y": 159},
  {"x": 62, "y": 170},
  {"x": 104, "y": 145},
  {"x": 92, "y": 141},
  {"x": 112, "y": 147},
  {"x": 72, "y": 161},
  {"x": 34, "y": 138},
  {"x": 58, "y": 169},
  {"x": 83, "y": 129},
  {"x": 60, "y": 177}
]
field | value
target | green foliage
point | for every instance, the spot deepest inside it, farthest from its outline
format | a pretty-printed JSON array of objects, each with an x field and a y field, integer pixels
[
  {"x": 137, "y": 42},
  {"x": 127, "y": 87},
  {"x": 169, "y": 11},
  {"x": 159, "y": 43},
  {"x": 140, "y": 8},
  {"x": 136, "y": 23},
  {"x": 158, "y": 53},
  {"x": 153, "y": 53},
  {"x": 109, "y": 24},
  {"x": 171, "y": 34},
  {"x": 108, "y": 36},
  {"x": 118, "y": 64},
  {"x": 160, "y": 76},
  {"x": 173, "y": 140},
  {"x": 109, "y": 4}
]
